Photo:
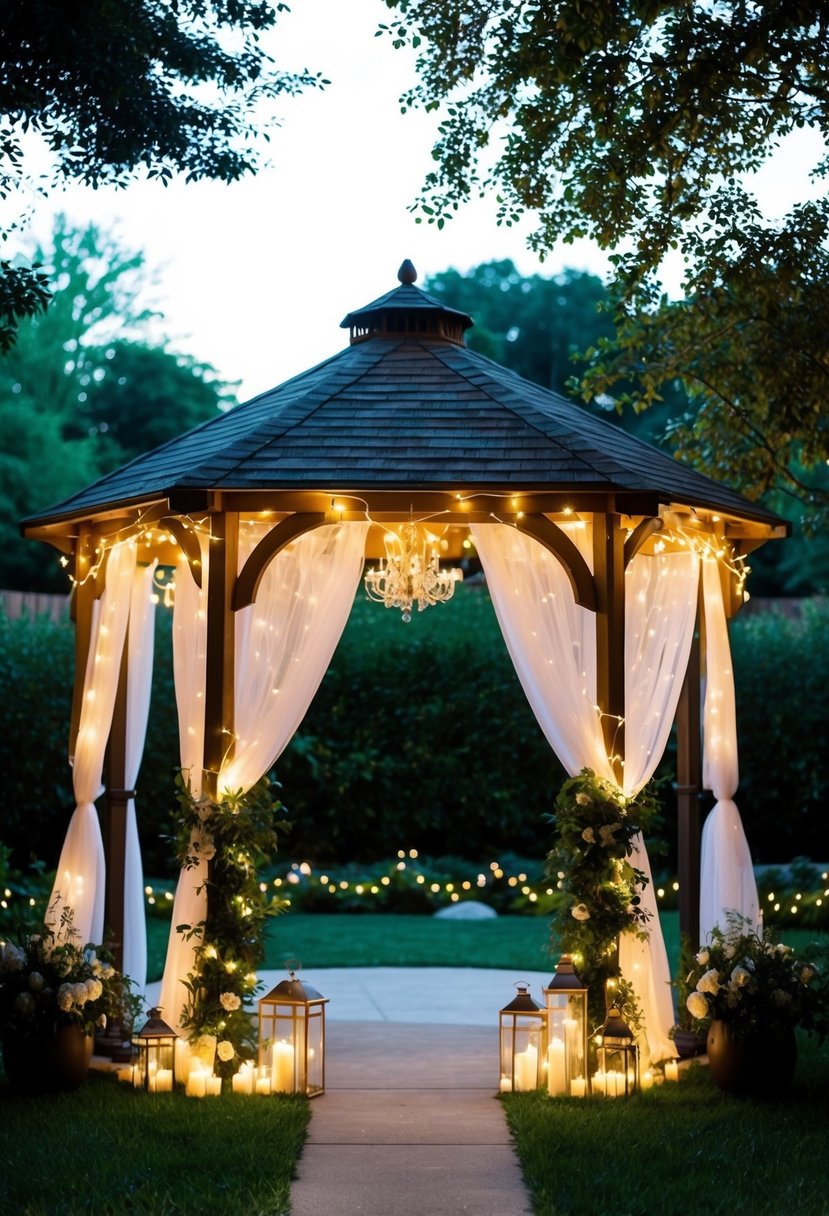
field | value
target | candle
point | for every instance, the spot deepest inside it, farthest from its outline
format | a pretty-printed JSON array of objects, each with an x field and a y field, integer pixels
[
  {"x": 556, "y": 1070},
  {"x": 671, "y": 1070},
  {"x": 196, "y": 1083},
  {"x": 263, "y": 1083},
  {"x": 506, "y": 1085},
  {"x": 599, "y": 1082},
  {"x": 282, "y": 1068},
  {"x": 647, "y": 1079},
  {"x": 243, "y": 1079},
  {"x": 164, "y": 1081},
  {"x": 125, "y": 1074},
  {"x": 571, "y": 1040},
  {"x": 152, "y": 1069},
  {"x": 526, "y": 1068},
  {"x": 182, "y": 1061},
  {"x": 213, "y": 1086},
  {"x": 578, "y": 1087}
]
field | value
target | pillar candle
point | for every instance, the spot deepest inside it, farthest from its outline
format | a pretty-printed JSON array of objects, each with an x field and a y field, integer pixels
[
  {"x": 526, "y": 1069},
  {"x": 263, "y": 1084},
  {"x": 182, "y": 1061},
  {"x": 671, "y": 1070},
  {"x": 578, "y": 1087},
  {"x": 600, "y": 1082},
  {"x": 196, "y": 1083},
  {"x": 556, "y": 1070},
  {"x": 213, "y": 1086},
  {"x": 282, "y": 1067},
  {"x": 125, "y": 1074},
  {"x": 647, "y": 1079},
  {"x": 164, "y": 1081},
  {"x": 505, "y": 1085}
]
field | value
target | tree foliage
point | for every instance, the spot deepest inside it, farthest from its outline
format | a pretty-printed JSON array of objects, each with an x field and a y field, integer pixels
[
  {"x": 113, "y": 90},
  {"x": 639, "y": 125},
  {"x": 84, "y": 390}
]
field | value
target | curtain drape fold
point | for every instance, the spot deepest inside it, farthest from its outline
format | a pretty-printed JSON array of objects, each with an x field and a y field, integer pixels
[
  {"x": 726, "y": 870},
  {"x": 284, "y": 643},
  {"x": 80, "y": 876},
  {"x": 552, "y": 642}
]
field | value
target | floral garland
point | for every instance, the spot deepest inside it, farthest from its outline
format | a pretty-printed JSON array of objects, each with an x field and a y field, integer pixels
[
  {"x": 594, "y": 826},
  {"x": 234, "y": 837}
]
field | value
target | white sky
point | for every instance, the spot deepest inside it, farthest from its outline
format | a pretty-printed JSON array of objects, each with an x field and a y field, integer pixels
[{"x": 256, "y": 277}]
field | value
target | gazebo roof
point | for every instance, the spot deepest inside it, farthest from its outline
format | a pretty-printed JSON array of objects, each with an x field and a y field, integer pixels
[{"x": 405, "y": 406}]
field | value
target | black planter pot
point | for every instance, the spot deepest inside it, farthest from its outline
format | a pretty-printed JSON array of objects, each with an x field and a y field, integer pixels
[
  {"x": 58, "y": 1059},
  {"x": 757, "y": 1065},
  {"x": 687, "y": 1043}
]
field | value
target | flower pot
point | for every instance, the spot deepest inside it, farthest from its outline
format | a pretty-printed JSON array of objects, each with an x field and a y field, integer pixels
[
  {"x": 757, "y": 1064},
  {"x": 53, "y": 1060}
]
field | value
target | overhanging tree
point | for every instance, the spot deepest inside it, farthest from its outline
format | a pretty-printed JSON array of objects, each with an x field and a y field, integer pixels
[
  {"x": 114, "y": 90},
  {"x": 635, "y": 124}
]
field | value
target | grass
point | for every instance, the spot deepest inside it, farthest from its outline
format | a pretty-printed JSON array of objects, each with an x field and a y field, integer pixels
[
  {"x": 679, "y": 1147},
  {"x": 107, "y": 1150}
]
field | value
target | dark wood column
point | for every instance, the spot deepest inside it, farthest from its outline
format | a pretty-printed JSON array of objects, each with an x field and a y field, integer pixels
[
  {"x": 218, "y": 693},
  {"x": 115, "y": 815},
  {"x": 609, "y": 576},
  {"x": 689, "y": 788}
]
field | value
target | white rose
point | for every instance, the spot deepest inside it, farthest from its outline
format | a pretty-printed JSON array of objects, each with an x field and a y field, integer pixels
[
  {"x": 781, "y": 949},
  {"x": 36, "y": 981},
  {"x": 101, "y": 1021},
  {"x": 94, "y": 989},
  {"x": 709, "y": 982},
  {"x": 588, "y": 835},
  {"x": 583, "y": 799},
  {"x": 697, "y": 1005},
  {"x": 703, "y": 957},
  {"x": 24, "y": 1003},
  {"x": 580, "y": 912},
  {"x": 12, "y": 958},
  {"x": 230, "y": 1001},
  {"x": 65, "y": 998},
  {"x": 740, "y": 977},
  {"x": 79, "y": 994},
  {"x": 225, "y": 1051}
]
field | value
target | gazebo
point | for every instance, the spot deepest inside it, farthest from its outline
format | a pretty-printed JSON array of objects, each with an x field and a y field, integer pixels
[{"x": 613, "y": 570}]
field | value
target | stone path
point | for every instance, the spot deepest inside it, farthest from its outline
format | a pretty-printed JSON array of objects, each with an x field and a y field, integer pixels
[{"x": 409, "y": 1126}]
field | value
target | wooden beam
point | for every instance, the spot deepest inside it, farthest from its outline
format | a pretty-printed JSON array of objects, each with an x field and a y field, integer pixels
[
  {"x": 557, "y": 541},
  {"x": 220, "y": 664},
  {"x": 689, "y": 787},
  {"x": 247, "y": 584},
  {"x": 189, "y": 543},
  {"x": 609, "y": 575}
]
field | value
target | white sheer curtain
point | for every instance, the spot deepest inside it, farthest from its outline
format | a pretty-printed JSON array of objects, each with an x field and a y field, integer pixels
[
  {"x": 727, "y": 874},
  {"x": 80, "y": 877},
  {"x": 552, "y": 642},
  {"x": 141, "y": 646},
  {"x": 284, "y": 643},
  {"x": 189, "y": 666}
]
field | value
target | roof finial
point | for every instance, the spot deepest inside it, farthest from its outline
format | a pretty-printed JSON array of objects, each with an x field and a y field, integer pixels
[{"x": 407, "y": 272}]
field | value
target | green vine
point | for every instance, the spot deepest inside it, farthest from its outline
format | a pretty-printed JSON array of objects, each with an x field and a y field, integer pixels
[
  {"x": 234, "y": 837},
  {"x": 594, "y": 827}
]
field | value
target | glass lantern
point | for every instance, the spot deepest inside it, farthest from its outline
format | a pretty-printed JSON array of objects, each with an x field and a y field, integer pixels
[
  {"x": 292, "y": 1038},
  {"x": 523, "y": 1043},
  {"x": 566, "y": 1001},
  {"x": 617, "y": 1056},
  {"x": 154, "y": 1046}
]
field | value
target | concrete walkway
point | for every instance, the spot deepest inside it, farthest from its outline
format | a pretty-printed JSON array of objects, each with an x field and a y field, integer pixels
[{"x": 409, "y": 1124}]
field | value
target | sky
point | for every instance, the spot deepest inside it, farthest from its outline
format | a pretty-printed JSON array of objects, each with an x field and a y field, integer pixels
[{"x": 254, "y": 278}]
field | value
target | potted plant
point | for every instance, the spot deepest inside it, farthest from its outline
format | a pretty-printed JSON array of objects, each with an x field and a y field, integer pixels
[
  {"x": 54, "y": 994},
  {"x": 688, "y": 1039},
  {"x": 750, "y": 994}
]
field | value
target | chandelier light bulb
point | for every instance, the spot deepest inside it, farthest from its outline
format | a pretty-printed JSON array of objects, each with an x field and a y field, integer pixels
[{"x": 410, "y": 572}]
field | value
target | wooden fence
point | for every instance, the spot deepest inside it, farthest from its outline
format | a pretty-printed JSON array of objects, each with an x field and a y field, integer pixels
[{"x": 32, "y": 604}]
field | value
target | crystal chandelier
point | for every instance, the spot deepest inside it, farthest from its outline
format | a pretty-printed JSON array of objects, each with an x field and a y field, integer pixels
[{"x": 410, "y": 572}]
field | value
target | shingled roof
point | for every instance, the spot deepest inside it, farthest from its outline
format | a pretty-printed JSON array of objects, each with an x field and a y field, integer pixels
[{"x": 406, "y": 405}]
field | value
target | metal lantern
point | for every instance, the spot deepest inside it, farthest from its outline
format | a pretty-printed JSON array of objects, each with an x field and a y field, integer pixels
[
  {"x": 523, "y": 1042},
  {"x": 155, "y": 1046},
  {"x": 566, "y": 1001},
  {"x": 292, "y": 1038},
  {"x": 617, "y": 1072}
]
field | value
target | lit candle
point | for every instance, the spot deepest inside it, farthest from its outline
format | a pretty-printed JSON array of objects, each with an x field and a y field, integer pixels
[
  {"x": 671, "y": 1070},
  {"x": 152, "y": 1071},
  {"x": 647, "y": 1079},
  {"x": 556, "y": 1071},
  {"x": 182, "y": 1061},
  {"x": 282, "y": 1068},
  {"x": 213, "y": 1086},
  {"x": 526, "y": 1069},
  {"x": 571, "y": 1040},
  {"x": 243, "y": 1079},
  {"x": 125, "y": 1074},
  {"x": 263, "y": 1082},
  {"x": 164, "y": 1081},
  {"x": 196, "y": 1083},
  {"x": 506, "y": 1085},
  {"x": 600, "y": 1082},
  {"x": 578, "y": 1087}
]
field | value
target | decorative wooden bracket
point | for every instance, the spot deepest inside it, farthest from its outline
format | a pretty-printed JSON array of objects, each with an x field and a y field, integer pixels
[
  {"x": 247, "y": 584},
  {"x": 556, "y": 540},
  {"x": 189, "y": 543},
  {"x": 639, "y": 535}
]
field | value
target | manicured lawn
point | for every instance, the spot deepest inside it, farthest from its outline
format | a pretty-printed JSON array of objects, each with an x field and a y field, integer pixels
[
  {"x": 679, "y": 1148},
  {"x": 107, "y": 1150}
]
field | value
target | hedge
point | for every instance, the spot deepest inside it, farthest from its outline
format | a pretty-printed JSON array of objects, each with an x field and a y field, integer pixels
[{"x": 420, "y": 736}]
